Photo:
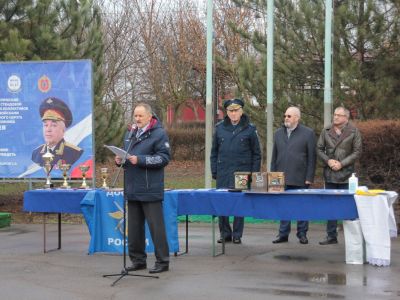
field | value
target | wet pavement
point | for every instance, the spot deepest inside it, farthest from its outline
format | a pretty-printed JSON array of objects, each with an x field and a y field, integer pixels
[{"x": 255, "y": 269}]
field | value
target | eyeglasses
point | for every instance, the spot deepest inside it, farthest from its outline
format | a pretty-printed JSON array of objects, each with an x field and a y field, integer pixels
[
  {"x": 287, "y": 116},
  {"x": 339, "y": 115}
]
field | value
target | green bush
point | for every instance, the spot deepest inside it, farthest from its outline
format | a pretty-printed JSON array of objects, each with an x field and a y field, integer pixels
[
  {"x": 187, "y": 142},
  {"x": 379, "y": 164}
]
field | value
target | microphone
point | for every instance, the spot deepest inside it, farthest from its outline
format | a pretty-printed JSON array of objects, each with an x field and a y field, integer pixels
[{"x": 131, "y": 129}]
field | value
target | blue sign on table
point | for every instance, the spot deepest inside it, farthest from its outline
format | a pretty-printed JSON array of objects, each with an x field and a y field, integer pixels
[{"x": 103, "y": 212}]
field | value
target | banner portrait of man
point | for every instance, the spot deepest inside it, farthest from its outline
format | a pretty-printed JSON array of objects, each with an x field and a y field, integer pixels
[
  {"x": 46, "y": 106},
  {"x": 56, "y": 118}
]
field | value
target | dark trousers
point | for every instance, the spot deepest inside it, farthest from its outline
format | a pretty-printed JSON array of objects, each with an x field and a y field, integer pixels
[
  {"x": 331, "y": 225},
  {"x": 225, "y": 229},
  {"x": 138, "y": 212},
  {"x": 285, "y": 226}
]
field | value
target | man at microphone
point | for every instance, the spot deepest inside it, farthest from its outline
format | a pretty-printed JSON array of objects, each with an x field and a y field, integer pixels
[{"x": 149, "y": 152}]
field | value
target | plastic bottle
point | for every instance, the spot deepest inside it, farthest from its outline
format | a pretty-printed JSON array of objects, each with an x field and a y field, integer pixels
[{"x": 353, "y": 183}]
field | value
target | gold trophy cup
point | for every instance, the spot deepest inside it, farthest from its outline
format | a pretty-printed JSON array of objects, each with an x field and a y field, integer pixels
[
  {"x": 104, "y": 176},
  {"x": 84, "y": 169},
  {"x": 65, "y": 168},
  {"x": 48, "y": 158}
]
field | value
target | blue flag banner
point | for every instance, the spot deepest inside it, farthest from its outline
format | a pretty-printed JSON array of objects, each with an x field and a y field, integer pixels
[
  {"x": 103, "y": 212},
  {"x": 45, "y": 106}
]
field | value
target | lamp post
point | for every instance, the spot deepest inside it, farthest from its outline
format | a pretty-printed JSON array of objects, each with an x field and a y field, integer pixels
[
  {"x": 270, "y": 79},
  {"x": 209, "y": 95}
]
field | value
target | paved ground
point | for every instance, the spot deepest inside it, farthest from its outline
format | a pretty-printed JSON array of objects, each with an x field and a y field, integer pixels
[{"x": 257, "y": 269}]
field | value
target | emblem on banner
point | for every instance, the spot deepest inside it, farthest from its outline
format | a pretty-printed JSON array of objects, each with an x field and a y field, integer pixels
[
  {"x": 14, "y": 83},
  {"x": 44, "y": 84}
]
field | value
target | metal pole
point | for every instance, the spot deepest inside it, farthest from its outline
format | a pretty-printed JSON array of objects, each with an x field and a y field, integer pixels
[
  {"x": 328, "y": 64},
  {"x": 209, "y": 94},
  {"x": 270, "y": 80}
]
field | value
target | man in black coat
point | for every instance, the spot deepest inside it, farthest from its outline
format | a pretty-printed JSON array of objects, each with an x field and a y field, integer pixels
[
  {"x": 235, "y": 148},
  {"x": 149, "y": 153},
  {"x": 294, "y": 154}
]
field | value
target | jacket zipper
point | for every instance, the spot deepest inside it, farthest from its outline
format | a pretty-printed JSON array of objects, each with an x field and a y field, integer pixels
[{"x": 147, "y": 181}]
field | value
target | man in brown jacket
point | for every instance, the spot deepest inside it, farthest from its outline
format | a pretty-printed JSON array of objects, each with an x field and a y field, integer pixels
[{"x": 339, "y": 146}]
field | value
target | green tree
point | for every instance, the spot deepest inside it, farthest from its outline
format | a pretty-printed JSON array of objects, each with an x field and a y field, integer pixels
[
  {"x": 57, "y": 30},
  {"x": 366, "y": 59},
  {"x": 367, "y": 63}
]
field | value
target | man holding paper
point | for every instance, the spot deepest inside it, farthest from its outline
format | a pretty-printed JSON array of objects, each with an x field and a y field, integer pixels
[{"x": 149, "y": 152}]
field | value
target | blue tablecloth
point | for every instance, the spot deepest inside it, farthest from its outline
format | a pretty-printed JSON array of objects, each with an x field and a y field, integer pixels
[
  {"x": 290, "y": 205},
  {"x": 54, "y": 201}
]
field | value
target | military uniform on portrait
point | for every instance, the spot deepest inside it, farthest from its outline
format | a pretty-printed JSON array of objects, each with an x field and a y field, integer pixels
[{"x": 64, "y": 151}]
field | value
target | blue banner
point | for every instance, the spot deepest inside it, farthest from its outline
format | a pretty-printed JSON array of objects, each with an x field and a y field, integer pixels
[
  {"x": 103, "y": 212},
  {"x": 45, "y": 105}
]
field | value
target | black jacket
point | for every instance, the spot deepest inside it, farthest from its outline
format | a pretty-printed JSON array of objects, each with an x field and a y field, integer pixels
[
  {"x": 234, "y": 149},
  {"x": 145, "y": 180},
  {"x": 295, "y": 156}
]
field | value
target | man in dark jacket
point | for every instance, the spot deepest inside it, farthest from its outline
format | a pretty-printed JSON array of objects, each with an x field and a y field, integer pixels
[
  {"x": 294, "y": 154},
  {"x": 338, "y": 147},
  {"x": 149, "y": 153},
  {"x": 235, "y": 148}
]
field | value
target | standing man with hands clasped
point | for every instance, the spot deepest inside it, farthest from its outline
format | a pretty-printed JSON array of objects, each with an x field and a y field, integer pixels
[
  {"x": 235, "y": 148},
  {"x": 144, "y": 188},
  {"x": 294, "y": 154},
  {"x": 338, "y": 147}
]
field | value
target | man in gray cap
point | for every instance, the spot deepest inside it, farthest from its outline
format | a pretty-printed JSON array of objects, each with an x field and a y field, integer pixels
[
  {"x": 235, "y": 148},
  {"x": 56, "y": 117}
]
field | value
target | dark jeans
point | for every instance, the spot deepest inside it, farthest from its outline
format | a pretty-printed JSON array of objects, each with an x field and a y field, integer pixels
[
  {"x": 302, "y": 226},
  {"x": 225, "y": 228},
  {"x": 331, "y": 225}
]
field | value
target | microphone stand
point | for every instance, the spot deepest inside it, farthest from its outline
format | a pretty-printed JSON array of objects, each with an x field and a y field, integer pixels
[{"x": 124, "y": 272}]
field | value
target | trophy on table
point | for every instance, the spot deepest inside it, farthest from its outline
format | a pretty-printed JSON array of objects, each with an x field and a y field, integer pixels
[
  {"x": 64, "y": 168},
  {"x": 104, "y": 176},
  {"x": 48, "y": 158},
  {"x": 84, "y": 169}
]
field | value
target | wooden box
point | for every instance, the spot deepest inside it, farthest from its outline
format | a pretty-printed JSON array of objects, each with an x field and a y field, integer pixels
[
  {"x": 276, "y": 182},
  {"x": 259, "y": 182},
  {"x": 242, "y": 180}
]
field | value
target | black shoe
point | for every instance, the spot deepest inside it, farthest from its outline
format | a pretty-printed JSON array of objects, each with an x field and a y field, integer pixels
[
  {"x": 159, "y": 269},
  {"x": 227, "y": 240},
  {"x": 329, "y": 241},
  {"x": 237, "y": 241},
  {"x": 136, "y": 267},
  {"x": 303, "y": 240},
  {"x": 281, "y": 239}
]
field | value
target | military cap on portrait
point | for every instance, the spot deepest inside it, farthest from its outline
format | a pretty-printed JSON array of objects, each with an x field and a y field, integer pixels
[{"x": 55, "y": 109}]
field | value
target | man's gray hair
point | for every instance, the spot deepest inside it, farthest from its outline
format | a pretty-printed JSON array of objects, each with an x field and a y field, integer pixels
[
  {"x": 296, "y": 110},
  {"x": 146, "y": 107},
  {"x": 345, "y": 111}
]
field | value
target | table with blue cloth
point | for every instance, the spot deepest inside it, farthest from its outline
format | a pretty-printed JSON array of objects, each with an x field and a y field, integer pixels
[
  {"x": 304, "y": 204},
  {"x": 57, "y": 201},
  {"x": 308, "y": 204},
  {"x": 103, "y": 212}
]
